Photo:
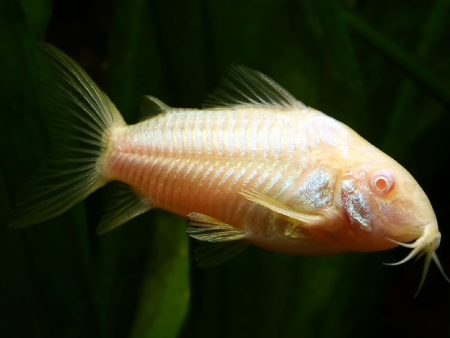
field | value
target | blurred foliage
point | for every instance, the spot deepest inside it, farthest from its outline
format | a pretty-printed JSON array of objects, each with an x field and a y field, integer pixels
[{"x": 379, "y": 66}]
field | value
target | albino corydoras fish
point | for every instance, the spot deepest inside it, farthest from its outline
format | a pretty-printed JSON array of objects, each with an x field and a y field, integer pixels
[{"x": 255, "y": 166}]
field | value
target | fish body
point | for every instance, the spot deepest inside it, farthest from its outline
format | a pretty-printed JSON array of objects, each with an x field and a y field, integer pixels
[
  {"x": 255, "y": 166},
  {"x": 187, "y": 161},
  {"x": 200, "y": 161}
]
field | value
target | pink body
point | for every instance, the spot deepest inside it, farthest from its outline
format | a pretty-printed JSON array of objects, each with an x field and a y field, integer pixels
[{"x": 198, "y": 161}]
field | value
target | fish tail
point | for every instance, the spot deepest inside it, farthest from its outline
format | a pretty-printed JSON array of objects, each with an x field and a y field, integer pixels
[{"x": 81, "y": 118}]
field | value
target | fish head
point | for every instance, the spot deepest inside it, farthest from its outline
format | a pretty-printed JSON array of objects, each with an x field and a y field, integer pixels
[
  {"x": 384, "y": 200},
  {"x": 402, "y": 210}
]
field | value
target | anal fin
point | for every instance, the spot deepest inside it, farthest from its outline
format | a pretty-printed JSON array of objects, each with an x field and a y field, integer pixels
[
  {"x": 220, "y": 242},
  {"x": 125, "y": 205}
]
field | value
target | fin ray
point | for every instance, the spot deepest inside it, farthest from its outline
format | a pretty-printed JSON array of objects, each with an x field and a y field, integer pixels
[
  {"x": 208, "y": 229},
  {"x": 220, "y": 242},
  {"x": 82, "y": 113},
  {"x": 281, "y": 208},
  {"x": 125, "y": 205},
  {"x": 243, "y": 87},
  {"x": 151, "y": 106}
]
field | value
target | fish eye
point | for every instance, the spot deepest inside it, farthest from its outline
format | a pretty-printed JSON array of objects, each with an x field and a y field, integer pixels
[{"x": 382, "y": 182}]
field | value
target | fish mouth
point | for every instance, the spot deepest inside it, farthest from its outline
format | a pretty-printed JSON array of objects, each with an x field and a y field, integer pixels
[{"x": 426, "y": 245}]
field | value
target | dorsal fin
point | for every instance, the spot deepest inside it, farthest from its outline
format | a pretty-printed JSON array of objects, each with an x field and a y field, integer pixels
[
  {"x": 243, "y": 87},
  {"x": 151, "y": 106}
]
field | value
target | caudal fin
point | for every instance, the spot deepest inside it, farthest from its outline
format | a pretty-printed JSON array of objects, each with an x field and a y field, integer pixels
[{"x": 80, "y": 116}]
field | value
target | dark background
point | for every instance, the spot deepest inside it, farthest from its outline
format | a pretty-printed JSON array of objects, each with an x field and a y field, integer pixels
[{"x": 382, "y": 67}]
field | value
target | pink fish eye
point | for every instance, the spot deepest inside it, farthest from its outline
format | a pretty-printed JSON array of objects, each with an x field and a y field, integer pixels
[{"x": 382, "y": 182}]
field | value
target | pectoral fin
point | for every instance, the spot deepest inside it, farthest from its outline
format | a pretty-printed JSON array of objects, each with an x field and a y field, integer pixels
[
  {"x": 281, "y": 208},
  {"x": 220, "y": 241}
]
